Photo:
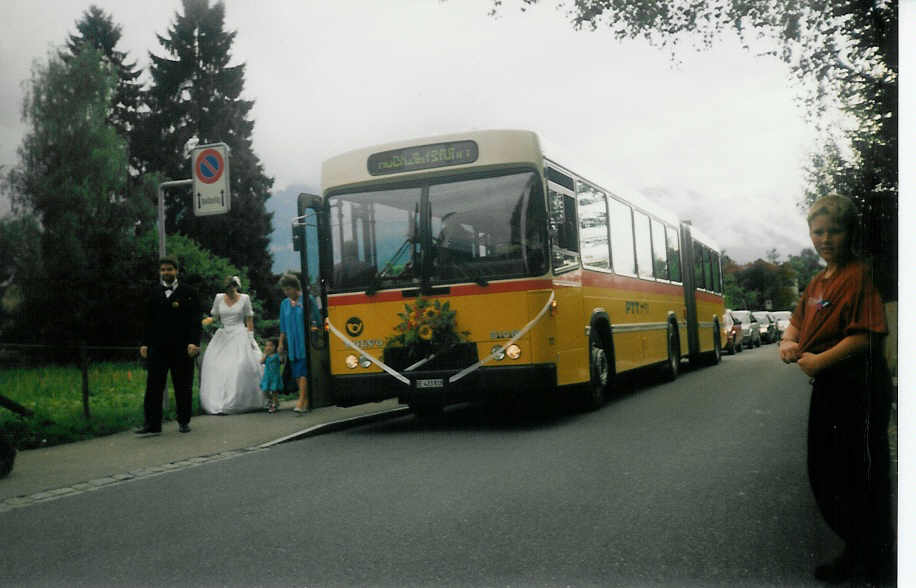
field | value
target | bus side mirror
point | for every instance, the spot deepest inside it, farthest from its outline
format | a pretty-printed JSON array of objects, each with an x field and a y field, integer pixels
[
  {"x": 298, "y": 236},
  {"x": 308, "y": 201},
  {"x": 305, "y": 202}
]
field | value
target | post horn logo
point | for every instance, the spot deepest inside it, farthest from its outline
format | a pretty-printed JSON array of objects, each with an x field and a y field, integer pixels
[{"x": 354, "y": 326}]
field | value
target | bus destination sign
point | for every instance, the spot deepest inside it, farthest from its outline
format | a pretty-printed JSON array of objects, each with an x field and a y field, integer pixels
[{"x": 423, "y": 157}]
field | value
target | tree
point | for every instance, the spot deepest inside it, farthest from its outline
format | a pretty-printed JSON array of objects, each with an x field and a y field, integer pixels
[
  {"x": 751, "y": 285},
  {"x": 20, "y": 273},
  {"x": 195, "y": 93},
  {"x": 72, "y": 174},
  {"x": 764, "y": 281},
  {"x": 97, "y": 30},
  {"x": 735, "y": 296},
  {"x": 806, "y": 265},
  {"x": 844, "y": 53}
]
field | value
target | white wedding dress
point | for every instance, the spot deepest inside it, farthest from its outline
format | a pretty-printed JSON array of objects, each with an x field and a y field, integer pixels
[{"x": 230, "y": 374}]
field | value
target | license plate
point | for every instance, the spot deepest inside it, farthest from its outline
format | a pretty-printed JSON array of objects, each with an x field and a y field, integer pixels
[{"x": 431, "y": 383}]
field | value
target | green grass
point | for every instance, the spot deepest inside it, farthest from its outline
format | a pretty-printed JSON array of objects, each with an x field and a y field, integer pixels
[{"x": 54, "y": 393}]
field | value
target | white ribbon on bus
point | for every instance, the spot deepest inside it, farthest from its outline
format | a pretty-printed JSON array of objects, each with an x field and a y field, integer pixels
[{"x": 401, "y": 378}]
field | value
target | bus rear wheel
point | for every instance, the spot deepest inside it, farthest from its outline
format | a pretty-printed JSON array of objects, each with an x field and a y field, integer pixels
[
  {"x": 715, "y": 356},
  {"x": 673, "y": 365},
  {"x": 599, "y": 370}
]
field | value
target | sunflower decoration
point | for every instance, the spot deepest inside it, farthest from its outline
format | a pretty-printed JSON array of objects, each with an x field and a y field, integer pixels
[{"x": 427, "y": 326}]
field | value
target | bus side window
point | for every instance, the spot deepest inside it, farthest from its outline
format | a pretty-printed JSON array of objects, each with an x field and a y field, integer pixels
[
  {"x": 643, "y": 245},
  {"x": 698, "y": 265},
  {"x": 596, "y": 251},
  {"x": 564, "y": 237},
  {"x": 659, "y": 255},
  {"x": 716, "y": 281},
  {"x": 707, "y": 270},
  {"x": 622, "y": 254},
  {"x": 674, "y": 254}
]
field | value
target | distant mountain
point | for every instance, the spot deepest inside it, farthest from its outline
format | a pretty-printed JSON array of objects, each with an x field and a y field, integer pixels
[
  {"x": 283, "y": 204},
  {"x": 745, "y": 229}
]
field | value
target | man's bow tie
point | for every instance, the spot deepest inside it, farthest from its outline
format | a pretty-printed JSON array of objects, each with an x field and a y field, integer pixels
[{"x": 168, "y": 288}]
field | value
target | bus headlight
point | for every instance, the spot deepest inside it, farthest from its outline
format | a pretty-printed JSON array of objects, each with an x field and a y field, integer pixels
[
  {"x": 513, "y": 351},
  {"x": 498, "y": 353},
  {"x": 364, "y": 362},
  {"x": 351, "y": 361}
]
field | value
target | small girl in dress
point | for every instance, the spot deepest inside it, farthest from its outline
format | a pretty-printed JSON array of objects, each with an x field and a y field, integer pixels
[{"x": 272, "y": 380}]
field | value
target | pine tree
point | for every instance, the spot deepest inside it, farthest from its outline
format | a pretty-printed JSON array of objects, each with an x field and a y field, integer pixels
[
  {"x": 97, "y": 30},
  {"x": 196, "y": 93}
]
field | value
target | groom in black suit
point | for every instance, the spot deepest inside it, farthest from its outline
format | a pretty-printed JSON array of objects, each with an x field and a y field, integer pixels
[{"x": 171, "y": 340}]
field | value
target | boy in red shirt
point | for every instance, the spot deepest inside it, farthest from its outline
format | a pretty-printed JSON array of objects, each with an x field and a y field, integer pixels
[{"x": 834, "y": 336}]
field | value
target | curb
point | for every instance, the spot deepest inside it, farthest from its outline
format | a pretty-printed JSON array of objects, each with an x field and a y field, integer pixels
[
  {"x": 332, "y": 426},
  {"x": 15, "y": 502}
]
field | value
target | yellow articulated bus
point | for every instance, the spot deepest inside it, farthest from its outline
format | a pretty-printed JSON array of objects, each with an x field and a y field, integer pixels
[{"x": 558, "y": 280}]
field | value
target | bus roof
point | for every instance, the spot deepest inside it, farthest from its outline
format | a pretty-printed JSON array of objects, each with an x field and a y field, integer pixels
[
  {"x": 496, "y": 148},
  {"x": 703, "y": 238}
]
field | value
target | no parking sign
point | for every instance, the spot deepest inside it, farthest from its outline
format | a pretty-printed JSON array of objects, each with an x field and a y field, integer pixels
[{"x": 210, "y": 172}]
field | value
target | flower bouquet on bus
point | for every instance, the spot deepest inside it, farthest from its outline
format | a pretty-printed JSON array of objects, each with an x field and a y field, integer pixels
[{"x": 427, "y": 337}]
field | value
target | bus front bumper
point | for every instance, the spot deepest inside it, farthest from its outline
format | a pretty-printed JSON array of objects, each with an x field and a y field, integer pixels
[{"x": 432, "y": 388}]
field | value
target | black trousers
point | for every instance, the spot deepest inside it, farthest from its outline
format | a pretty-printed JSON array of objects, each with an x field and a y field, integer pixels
[
  {"x": 163, "y": 360},
  {"x": 849, "y": 456}
]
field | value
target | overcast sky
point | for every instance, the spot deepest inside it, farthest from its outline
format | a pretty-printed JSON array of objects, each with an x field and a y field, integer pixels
[{"x": 718, "y": 138}]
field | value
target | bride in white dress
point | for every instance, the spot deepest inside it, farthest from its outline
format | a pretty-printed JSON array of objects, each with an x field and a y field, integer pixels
[{"x": 230, "y": 374}]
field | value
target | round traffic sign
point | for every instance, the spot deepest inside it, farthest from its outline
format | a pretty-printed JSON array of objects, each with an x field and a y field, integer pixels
[{"x": 209, "y": 166}]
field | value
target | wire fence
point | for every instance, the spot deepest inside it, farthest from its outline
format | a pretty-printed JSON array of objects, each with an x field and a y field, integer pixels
[
  {"x": 31, "y": 354},
  {"x": 66, "y": 356}
]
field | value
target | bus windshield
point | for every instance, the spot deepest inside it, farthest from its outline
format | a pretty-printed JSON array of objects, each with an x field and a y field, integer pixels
[{"x": 443, "y": 231}]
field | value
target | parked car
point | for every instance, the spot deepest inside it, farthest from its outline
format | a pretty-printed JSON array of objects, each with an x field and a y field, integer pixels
[
  {"x": 750, "y": 328},
  {"x": 731, "y": 333},
  {"x": 782, "y": 322},
  {"x": 767, "y": 326}
]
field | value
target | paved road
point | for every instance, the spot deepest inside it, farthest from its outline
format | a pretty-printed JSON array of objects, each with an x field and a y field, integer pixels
[{"x": 700, "y": 482}]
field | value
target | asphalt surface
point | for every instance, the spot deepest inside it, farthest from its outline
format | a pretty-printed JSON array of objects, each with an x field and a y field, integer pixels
[
  {"x": 699, "y": 482},
  {"x": 49, "y": 473}
]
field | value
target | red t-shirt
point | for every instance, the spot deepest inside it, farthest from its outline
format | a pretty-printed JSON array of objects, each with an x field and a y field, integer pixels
[{"x": 833, "y": 308}]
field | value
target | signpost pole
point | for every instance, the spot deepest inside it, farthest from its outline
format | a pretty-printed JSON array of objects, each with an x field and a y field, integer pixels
[{"x": 160, "y": 208}]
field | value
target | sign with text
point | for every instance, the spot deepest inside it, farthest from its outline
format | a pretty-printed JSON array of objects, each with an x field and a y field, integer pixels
[
  {"x": 210, "y": 172},
  {"x": 422, "y": 157}
]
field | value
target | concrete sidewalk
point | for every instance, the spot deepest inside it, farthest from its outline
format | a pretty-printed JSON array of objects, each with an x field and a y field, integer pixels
[{"x": 63, "y": 470}]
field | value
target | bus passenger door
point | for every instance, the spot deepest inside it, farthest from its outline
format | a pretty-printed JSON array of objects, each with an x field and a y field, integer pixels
[{"x": 307, "y": 231}]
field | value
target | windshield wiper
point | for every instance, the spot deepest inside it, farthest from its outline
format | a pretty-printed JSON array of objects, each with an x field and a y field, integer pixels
[
  {"x": 477, "y": 277},
  {"x": 378, "y": 276}
]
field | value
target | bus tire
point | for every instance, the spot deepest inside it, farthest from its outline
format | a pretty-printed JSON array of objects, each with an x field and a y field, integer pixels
[
  {"x": 599, "y": 367},
  {"x": 715, "y": 356},
  {"x": 673, "y": 363}
]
